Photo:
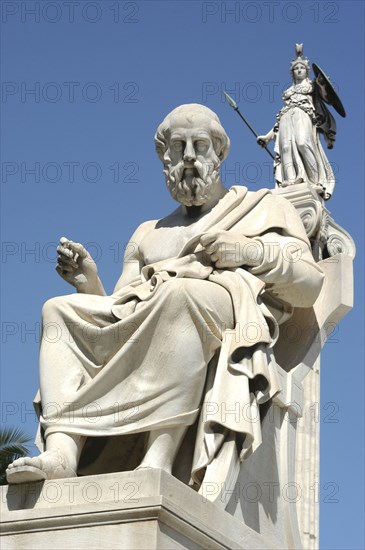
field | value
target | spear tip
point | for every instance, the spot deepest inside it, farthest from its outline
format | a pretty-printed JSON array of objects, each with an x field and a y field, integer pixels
[{"x": 231, "y": 101}]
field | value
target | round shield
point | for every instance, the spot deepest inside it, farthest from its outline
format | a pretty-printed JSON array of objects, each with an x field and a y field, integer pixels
[{"x": 327, "y": 91}]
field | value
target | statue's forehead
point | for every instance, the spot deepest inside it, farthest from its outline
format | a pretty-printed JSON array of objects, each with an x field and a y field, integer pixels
[{"x": 190, "y": 122}]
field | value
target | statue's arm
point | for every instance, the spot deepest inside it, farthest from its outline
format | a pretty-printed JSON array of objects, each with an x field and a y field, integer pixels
[
  {"x": 288, "y": 269},
  {"x": 284, "y": 264},
  {"x": 265, "y": 139},
  {"x": 133, "y": 257}
]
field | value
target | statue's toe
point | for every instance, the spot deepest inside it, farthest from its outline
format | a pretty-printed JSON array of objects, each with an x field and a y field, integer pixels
[
  {"x": 48, "y": 465},
  {"x": 25, "y": 461},
  {"x": 24, "y": 474}
]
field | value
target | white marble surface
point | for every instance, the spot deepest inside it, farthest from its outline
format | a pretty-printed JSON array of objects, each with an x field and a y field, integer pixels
[
  {"x": 189, "y": 292},
  {"x": 139, "y": 510},
  {"x": 223, "y": 261},
  {"x": 300, "y": 122}
]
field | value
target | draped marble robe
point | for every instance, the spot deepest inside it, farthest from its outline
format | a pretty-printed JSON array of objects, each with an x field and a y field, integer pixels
[{"x": 115, "y": 369}]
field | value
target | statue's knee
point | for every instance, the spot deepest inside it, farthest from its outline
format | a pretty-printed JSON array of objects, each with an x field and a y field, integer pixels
[
  {"x": 174, "y": 286},
  {"x": 303, "y": 142},
  {"x": 52, "y": 306},
  {"x": 48, "y": 307},
  {"x": 179, "y": 290},
  {"x": 285, "y": 148}
]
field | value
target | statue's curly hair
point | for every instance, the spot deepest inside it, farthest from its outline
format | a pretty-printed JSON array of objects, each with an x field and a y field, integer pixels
[{"x": 191, "y": 110}]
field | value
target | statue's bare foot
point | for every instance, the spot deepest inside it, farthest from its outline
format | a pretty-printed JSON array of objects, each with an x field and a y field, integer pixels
[
  {"x": 48, "y": 465},
  {"x": 162, "y": 446},
  {"x": 147, "y": 466},
  {"x": 287, "y": 183},
  {"x": 319, "y": 188}
]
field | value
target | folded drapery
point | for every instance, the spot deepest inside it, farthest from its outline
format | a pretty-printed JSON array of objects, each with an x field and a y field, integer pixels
[{"x": 138, "y": 360}]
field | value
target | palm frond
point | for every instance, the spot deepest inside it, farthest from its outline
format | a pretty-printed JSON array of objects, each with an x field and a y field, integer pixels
[
  {"x": 13, "y": 442},
  {"x": 4, "y": 463}
]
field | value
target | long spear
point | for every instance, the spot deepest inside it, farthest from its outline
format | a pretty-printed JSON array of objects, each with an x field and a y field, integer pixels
[{"x": 234, "y": 106}]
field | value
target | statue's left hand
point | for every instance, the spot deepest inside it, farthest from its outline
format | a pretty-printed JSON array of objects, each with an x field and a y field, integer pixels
[
  {"x": 232, "y": 249},
  {"x": 76, "y": 266}
]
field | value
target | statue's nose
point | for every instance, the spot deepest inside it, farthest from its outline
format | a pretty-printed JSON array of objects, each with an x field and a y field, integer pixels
[{"x": 189, "y": 153}]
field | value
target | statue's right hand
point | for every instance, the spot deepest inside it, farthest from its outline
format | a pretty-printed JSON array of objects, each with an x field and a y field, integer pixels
[
  {"x": 74, "y": 263},
  {"x": 262, "y": 140}
]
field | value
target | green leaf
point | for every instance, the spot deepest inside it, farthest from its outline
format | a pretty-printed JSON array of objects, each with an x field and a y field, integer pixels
[{"x": 12, "y": 446}]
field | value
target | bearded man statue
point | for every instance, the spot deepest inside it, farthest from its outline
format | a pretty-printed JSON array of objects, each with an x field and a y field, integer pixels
[{"x": 192, "y": 320}]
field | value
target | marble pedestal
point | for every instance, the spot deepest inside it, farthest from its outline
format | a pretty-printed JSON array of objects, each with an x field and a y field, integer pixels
[
  {"x": 131, "y": 510},
  {"x": 151, "y": 509}
]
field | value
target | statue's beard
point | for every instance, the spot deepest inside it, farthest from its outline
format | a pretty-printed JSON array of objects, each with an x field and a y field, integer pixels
[{"x": 195, "y": 190}]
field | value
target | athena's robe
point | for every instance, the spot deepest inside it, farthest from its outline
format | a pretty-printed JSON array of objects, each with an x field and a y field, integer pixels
[
  {"x": 142, "y": 359},
  {"x": 297, "y": 135}
]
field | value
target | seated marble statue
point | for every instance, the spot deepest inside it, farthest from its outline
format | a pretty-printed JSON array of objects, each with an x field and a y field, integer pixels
[{"x": 192, "y": 320}]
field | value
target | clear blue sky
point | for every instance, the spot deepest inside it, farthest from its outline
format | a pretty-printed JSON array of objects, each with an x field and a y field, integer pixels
[{"x": 103, "y": 76}]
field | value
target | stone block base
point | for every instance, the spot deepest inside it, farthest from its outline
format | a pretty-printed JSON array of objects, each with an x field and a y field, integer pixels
[{"x": 130, "y": 510}]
